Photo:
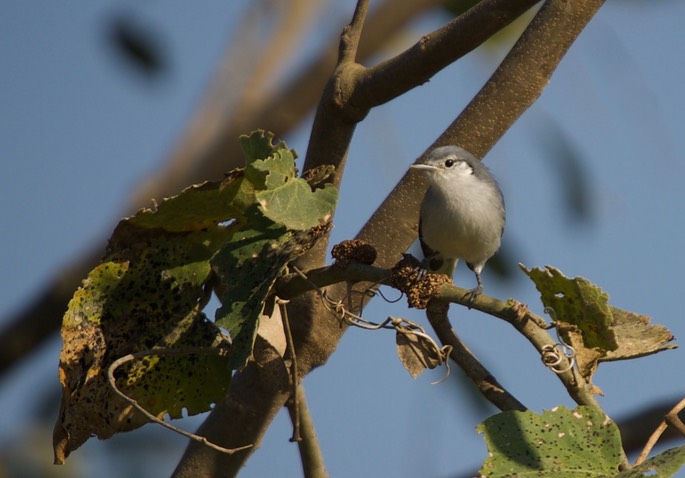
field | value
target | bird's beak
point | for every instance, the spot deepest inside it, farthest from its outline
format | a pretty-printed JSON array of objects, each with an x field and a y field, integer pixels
[{"x": 425, "y": 167}]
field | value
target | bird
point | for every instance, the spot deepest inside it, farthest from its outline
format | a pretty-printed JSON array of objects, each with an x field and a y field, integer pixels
[{"x": 462, "y": 214}]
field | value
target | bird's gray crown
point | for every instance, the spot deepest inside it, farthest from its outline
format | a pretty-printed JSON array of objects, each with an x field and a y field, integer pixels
[
  {"x": 438, "y": 157},
  {"x": 444, "y": 152}
]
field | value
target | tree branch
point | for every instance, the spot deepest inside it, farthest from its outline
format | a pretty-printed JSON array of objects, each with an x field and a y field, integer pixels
[
  {"x": 522, "y": 76},
  {"x": 485, "y": 382},
  {"x": 672, "y": 419},
  {"x": 516, "y": 84},
  {"x": 530, "y": 325},
  {"x": 433, "y": 52},
  {"x": 349, "y": 40},
  {"x": 310, "y": 451}
]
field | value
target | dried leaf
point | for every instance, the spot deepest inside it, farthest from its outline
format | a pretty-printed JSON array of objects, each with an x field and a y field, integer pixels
[
  {"x": 597, "y": 331},
  {"x": 416, "y": 352},
  {"x": 637, "y": 337}
]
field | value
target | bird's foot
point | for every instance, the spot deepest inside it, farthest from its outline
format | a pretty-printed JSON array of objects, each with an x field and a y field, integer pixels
[
  {"x": 421, "y": 271},
  {"x": 471, "y": 295}
]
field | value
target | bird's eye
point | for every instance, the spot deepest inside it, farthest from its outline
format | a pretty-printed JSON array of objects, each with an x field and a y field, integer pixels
[{"x": 449, "y": 163}]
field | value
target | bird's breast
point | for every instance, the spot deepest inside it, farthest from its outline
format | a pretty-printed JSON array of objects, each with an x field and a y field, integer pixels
[{"x": 463, "y": 220}]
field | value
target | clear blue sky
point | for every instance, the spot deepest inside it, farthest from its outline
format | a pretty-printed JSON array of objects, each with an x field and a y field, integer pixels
[{"x": 78, "y": 133}]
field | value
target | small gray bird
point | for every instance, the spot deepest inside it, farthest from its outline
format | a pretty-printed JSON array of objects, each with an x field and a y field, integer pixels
[{"x": 462, "y": 213}]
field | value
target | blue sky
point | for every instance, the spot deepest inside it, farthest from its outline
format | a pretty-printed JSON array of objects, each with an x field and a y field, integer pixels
[{"x": 79, "y": 133}]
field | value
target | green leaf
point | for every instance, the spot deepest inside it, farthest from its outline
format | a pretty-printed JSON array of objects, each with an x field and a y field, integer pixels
[
  {"x": 296, "y": 206},
  {"x": 199, "y": 206},
  {"x": 247, "y": 268},
  {"x": 158, "y": 270},
  {"x": 664, "y": 465},
  {"x": 558, "y": 443},
  {"x": 578, "y": 302},
  {"x": 267, "y": 166},
  {"x": 282, "y": 197}
]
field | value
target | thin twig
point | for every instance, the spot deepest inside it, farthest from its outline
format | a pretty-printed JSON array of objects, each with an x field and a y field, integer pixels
[
  {"x": 184, "y": 351},
  {"x": 529, "y": 324},
  {"x": 486, "y": 383},
  {"x": 399, "y": 325},
  {"x": 293, "y": 369},
  {"x": 670, "y": 419},
  {"x": 310, "y": 451},
  {"x": 674, "y": 420}
]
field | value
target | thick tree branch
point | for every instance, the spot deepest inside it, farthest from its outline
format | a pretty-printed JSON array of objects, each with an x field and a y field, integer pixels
[
  {"x": 516, "y": 84},
  {"x": 522, "y": 76},
  {"x": 392, "y": 78}
]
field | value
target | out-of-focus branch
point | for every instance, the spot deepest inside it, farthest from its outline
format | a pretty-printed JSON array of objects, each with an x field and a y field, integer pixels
[
  {"x": 199, "y": 156},
  {"x": 637, "y": 427},
  {"x": 671, "y": 419},
  {"x": 283, "y": 110}
]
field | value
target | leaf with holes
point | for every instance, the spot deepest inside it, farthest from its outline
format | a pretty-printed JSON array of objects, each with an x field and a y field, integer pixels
[
  {"x": 597, "y": 331},
  {"x": 558, "y": 443},
  {"x": 578, "y": 302},
  {"x": 144, "y": 295}
]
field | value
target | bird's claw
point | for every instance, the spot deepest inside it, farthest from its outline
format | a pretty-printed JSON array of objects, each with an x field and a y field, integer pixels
[
  {"x": 471, "y": 295},
  {"x": 421, "y": 271}
]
